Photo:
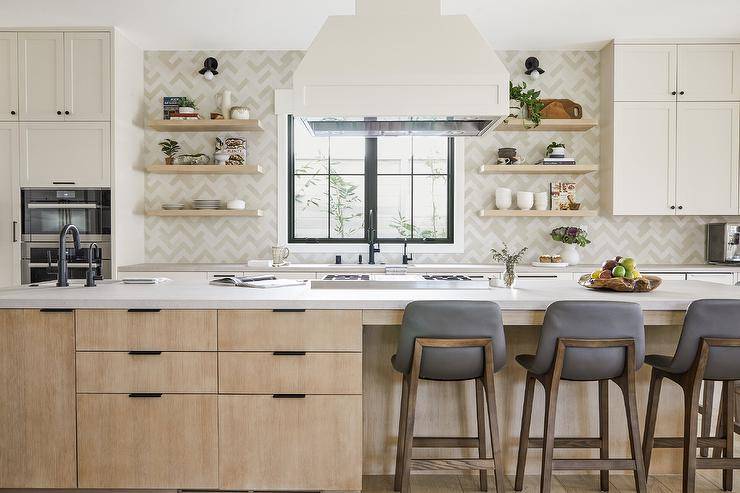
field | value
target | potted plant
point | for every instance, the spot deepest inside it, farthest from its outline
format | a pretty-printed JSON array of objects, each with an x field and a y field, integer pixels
[
  {"x": 187, "y": 105},
  {"x": 527, "y": 101},
  {"x": 570, "y": 236},
  {"x": 170, "y": 148},
  {"x": 555, "y": 149},
  {"x": 509, "y": 260}
]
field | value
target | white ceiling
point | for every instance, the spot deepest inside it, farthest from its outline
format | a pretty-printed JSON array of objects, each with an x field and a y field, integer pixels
[{"x": 292, "y": 24}]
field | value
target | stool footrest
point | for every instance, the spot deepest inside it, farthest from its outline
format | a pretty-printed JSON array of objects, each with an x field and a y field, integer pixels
[
  {"x": 451, "y": 464},
  {"x": 568, "y": 442},
  {"x": 445, "y": 442},
  {"x": 719, "y": 463},
  {"x": 677, "y": 442},
  {"x": 593, "y": 464}
]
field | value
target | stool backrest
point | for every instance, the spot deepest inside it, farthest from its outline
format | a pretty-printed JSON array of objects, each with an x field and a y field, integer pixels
[
  {"x": 590, "y": 320},
  {"x": 710, "y": 319},
  {"x": 451, "y": 320}
]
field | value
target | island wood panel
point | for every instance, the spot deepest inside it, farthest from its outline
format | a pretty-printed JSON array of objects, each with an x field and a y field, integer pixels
[
  {"x": 303, "y": 330},
  {"x": 119, "y": 372},
  {"x": 37, "y": 399},
  {"x": 151, "y": 442},
  {"x": 165, "y": 330},
  {"x": 309, "y": 443},
  {"x": 307, "y": 373}
]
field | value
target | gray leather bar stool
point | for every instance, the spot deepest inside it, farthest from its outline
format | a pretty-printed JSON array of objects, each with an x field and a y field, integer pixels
[
  {"x": 448, "y": 341},
  {"x": 708, "y": 350},
  {"x": 585, "y": 341}
]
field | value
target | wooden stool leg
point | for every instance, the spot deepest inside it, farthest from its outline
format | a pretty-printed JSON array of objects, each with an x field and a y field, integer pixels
[
  {"x": 401, "y": 433},
  {"x": 408, "y": 438},
  {"x": 633, "y": 428},
  {"x": 498, "y": 463},
  {"x": 604, "y": 431},
  {"x": 706, "y": 414},
  {"x": 521, "y": 460},
  {"x": 691, "y": 415},
  {"x": 720, "y": 431},
  {"x": 728, "y": 392},
  {"x": 656, "y": 382},
  {"x": 480, "y": 411},
  {"x": 548, "y": 439}
]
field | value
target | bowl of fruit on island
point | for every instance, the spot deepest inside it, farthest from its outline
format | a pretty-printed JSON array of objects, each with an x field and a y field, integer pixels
[{"x": 620, "y": 274}]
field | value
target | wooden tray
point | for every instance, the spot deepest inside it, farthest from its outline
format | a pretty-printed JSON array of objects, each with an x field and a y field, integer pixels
[{"x": 642, "y": 285}]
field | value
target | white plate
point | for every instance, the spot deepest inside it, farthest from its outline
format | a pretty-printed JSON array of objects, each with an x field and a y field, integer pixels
[{"x": 549, "y": 264}]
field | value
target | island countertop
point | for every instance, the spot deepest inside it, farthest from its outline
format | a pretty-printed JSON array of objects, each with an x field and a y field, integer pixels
[{"x": 528, "y": 295}]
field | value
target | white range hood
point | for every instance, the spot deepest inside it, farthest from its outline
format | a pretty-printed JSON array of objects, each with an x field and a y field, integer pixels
[{"x": 402, "y": 67}]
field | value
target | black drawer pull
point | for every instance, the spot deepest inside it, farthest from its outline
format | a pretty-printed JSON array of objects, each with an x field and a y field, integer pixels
[
  {"x": 144, "y": 310},
  {"x": 288, "y": 396},
  {"x": 56, "y": 310},
  {"x": 289, "y": 353},
  {"x": 288, "y": 310},
  {"x": 62, "y": 183},
  {"x": 144, "y": 395},
  {"x": 145, "y": 353}
]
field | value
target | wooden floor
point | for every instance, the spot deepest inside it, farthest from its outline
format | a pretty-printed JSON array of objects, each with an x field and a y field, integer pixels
[{"x": 706, "y": 481}]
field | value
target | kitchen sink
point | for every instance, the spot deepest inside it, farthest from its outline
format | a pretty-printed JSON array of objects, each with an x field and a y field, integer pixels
[{"x": 404, "y": 281}]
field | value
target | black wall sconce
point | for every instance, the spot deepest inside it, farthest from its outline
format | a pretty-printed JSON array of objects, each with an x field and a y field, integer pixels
[
  {"x": 209, "y": 68},
  {"x": 532, "y": 67}
]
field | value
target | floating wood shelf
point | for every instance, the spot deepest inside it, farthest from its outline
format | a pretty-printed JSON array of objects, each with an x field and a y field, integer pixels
[
  {"x": 205, "y": 213},
  {"x": 547, "y": 125},
  {"x": 206, "y": 125},
  {"x": 214, "y": 169},
  {"x": 538, "y": 169},
  {"x": 533, "y": 213}
]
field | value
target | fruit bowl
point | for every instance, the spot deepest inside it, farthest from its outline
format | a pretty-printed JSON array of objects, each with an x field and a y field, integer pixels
[{"x": 642, "y": 284}]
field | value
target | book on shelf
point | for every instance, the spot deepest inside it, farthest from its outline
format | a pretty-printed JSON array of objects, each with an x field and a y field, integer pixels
[
  {"x": 562, "y": 193},
  {"x": 557, "y": 160},
  {"x": 170, "y": 106},
  {"x": 184, "y": 118}
]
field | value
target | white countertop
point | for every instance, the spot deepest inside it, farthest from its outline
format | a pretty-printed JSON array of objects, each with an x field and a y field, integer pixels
[{"x": 528, "y": 295}]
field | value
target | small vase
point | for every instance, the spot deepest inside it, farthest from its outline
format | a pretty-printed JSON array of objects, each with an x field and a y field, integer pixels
[
  {"x": 509, "y": 276},
  {"x": 570, "y": 255}
]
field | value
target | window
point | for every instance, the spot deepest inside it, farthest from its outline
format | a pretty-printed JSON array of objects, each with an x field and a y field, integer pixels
[{"x": 335, "y": 183}]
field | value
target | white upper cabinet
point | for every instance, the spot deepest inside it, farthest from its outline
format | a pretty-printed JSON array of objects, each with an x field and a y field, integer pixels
[
  {"x": 645, "y": 72},
  {"x": 10, "y": 234},
  {"x": 8, "y": 76},
  {"x": 87, "y": 81},
  {"x": 708, "y": 158},
  {"x": 709, "y": 72},
  {"x": 41, "y": 78},
  {"x": 643, "y": 175},
  {"x": 69, "y": 153}
]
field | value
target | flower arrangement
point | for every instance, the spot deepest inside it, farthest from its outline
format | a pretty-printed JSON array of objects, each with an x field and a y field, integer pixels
[
  {"x": 510, "y": 260},
  {"x": 570, "y": 235}
]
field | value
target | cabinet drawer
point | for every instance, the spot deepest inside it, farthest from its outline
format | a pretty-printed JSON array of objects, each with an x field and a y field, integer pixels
[
  {"x": 165, "y": 330},
  {"x": 156, "y": 442},
  {"x": 310, "y": 330},
  {"x": 304, "y": 373},
  {"x": 310, "y": 443},
  {"x": 113, "y": 372}
]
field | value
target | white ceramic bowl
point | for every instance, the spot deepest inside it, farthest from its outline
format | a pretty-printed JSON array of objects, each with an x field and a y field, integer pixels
[
  {"x": 503, "y": 198},
  {"x": 524, "y": 200},
  {"x": 236, "y": 204}
]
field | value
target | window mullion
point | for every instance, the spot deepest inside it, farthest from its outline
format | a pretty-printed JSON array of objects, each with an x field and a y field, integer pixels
[{"x": 371, "y": 184}]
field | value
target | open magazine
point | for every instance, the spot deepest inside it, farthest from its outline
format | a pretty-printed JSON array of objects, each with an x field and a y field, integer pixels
[{"x": 257, "y": 282}]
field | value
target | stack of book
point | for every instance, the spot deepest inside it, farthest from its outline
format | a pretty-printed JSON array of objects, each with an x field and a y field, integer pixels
[
  {"x": 170, "y": 106},
  {"x": 558, "y": 160},
  {"x": 183, "y": 116}
]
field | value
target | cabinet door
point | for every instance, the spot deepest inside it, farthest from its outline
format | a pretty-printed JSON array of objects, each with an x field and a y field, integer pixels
[
  {"x": 37, "y": 399},
  {"x": 10, "y": 258},
  {"x": 165, "y": 442},
  {"x": 87, "y": 68},
  {"x": 41, "y": 78},
  {"x": 644, "y": 158},
  {"x": 9, "y": 77},
  {"x": 645, "y": 72},
  {"x": 707, "y": 158},
  {"x": 70, "y": 153},
  {"x": 308, "y": 443},
  {"x": 709, "y": 72}
]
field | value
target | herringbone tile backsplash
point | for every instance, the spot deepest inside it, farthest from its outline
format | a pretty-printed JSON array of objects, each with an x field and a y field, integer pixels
[{"x": 252, "y": 76}]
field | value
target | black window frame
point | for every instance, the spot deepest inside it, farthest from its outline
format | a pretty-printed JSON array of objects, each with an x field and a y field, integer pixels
[{"x": 371, "y": 188}]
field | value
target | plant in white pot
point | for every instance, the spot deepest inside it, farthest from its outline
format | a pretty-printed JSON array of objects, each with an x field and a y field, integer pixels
[
  {"x": 571, "y": 237},
  {"x": 187, "y": 105},
  {"x": 555, "y": 149}
]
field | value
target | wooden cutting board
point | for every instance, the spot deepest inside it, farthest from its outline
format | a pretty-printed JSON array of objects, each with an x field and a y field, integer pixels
[{"x": 561, "y": 108}]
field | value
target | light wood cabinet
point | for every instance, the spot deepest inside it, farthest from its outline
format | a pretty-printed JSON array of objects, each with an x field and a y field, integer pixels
[
  {"x": 37, "y": 400},
  {"x": 645, "y": 72},
  {"x": 709, "y": 72},
  {"x": 707, "y": 158},
  {"x": 308, "y": 443},
  {"x": 170, "y": 441},
  {"x": 41, "y": 76},
  {"x": 10, "y": 234},
  {"x": 87, "y": 76},
  {"x": 70, "y": 153},
  {"x": 9, "y": 76}
]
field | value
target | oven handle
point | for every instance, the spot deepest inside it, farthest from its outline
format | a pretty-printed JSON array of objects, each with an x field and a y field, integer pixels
[
  {"x": 86, "y": 205},
  {"x": 75, "y": 265}
]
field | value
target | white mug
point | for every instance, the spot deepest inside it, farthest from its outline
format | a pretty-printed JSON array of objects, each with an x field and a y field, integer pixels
[
  {"x": 524, "y": 200},
  {"x": 279, "y": 255},
  {"x": 504, "y": 160},
  {"x": 503, "y": 198}
]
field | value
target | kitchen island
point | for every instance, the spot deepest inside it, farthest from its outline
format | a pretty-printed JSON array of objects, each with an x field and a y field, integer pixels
[{"x": 193, "y": 386}]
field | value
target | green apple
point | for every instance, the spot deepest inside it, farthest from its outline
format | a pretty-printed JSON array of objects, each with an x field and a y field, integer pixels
[
  {"x": 628, "y": 263},
  {"x": 618, "y": 271}
]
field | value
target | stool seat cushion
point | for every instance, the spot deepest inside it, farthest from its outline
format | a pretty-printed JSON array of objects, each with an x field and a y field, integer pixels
[
  {"x": 526, "y": 360},
  {"x": 660, "y": 361}
]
